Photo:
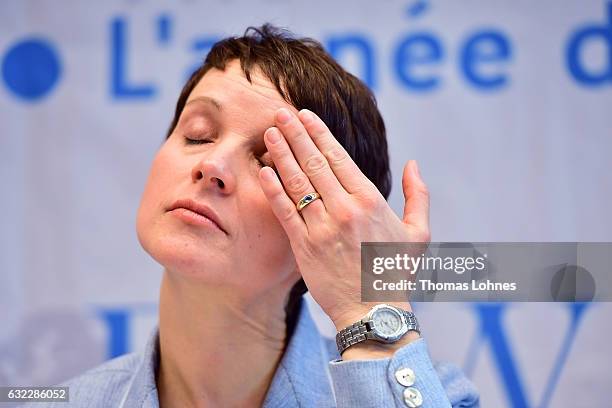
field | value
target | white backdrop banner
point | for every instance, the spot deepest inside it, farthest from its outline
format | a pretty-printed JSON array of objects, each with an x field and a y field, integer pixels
[{"x": 507, "y": 106}]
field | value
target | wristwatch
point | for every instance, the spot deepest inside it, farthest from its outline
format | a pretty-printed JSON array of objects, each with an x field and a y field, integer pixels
[{"x": 383, "y": 323}]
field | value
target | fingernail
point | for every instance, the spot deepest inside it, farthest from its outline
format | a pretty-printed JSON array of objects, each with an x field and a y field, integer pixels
[
  {"x": 306, "y": 116},
  {"x": 416, "y": 169},
  {"x": 283, "y": 116},
  {"x": 273, "y": 135},
  {"x": 267, "y": 173}
]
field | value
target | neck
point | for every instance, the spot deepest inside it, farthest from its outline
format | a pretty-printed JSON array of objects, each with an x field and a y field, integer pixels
[{"x": 217, "y": 347}]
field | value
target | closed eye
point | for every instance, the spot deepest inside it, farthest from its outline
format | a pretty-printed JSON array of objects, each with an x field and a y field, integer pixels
[{"x": 196, "y": 141}]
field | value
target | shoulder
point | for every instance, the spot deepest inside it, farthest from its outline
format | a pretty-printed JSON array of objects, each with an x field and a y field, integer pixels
[
  {"x": 126, "y": 363},
  {"x": 101, "y": 386},
  {"x": 104, "y": 385}
]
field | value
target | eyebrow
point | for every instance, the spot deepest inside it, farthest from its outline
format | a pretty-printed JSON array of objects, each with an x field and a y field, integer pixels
[{"x": 208, "y": 100}]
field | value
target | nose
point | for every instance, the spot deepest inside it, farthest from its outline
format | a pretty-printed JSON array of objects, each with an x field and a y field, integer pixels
[{"x": 213, "y": 173}]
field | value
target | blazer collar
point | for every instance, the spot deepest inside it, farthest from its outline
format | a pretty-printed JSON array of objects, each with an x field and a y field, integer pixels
[
  {"x": 302, "y": 378},
  {"x": 142, "y": 390}
]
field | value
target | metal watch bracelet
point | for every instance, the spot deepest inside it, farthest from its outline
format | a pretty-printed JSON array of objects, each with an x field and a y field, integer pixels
[{"x": 361, "y": 331}]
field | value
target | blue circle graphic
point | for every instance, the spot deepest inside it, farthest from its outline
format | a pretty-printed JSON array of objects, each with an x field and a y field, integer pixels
[{"x": 31, "y": 68}]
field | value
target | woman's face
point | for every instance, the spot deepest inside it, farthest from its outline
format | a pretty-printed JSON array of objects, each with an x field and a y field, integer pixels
[{"x": 226, "y": 117}]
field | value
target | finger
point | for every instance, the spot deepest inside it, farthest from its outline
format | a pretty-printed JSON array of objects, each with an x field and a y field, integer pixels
[
  {"x": 294, "y": 180},
  {"x": 346, "y": 170},
  {"x": 309, "y": 157},
  {"x": 282, "y": 206},
  {"x": 416, "y": 208}
]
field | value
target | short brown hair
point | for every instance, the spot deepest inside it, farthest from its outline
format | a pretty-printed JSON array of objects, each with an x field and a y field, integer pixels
[{"x": 307, "y": 77}]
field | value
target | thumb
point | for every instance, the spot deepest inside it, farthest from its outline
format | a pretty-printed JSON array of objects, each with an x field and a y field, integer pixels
[{"x": 416, "y": 195}]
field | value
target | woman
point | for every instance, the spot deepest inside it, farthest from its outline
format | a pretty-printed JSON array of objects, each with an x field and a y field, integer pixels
[{"x": 228, "y": 211}]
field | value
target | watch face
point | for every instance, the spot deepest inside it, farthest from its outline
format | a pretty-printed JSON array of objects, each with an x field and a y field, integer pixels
[{"x": 387, "y": 322}]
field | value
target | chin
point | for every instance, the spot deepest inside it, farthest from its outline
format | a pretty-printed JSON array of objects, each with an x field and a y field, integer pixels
[{"x": 185, "y": 255}]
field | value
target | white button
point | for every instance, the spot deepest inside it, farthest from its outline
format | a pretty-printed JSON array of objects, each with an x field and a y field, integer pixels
[
  {"x": 413, "y": 397},
  {"x": 405, "y": 376}
]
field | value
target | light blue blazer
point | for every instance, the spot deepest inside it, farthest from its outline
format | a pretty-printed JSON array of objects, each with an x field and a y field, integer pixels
[{"x": 310, "y": 374}]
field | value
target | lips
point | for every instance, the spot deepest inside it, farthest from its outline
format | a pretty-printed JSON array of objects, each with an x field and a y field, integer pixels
[{"x": 198, "y": 208}]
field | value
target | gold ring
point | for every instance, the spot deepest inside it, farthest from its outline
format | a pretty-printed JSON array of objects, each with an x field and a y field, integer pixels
[{"x": 307, "y": 199}]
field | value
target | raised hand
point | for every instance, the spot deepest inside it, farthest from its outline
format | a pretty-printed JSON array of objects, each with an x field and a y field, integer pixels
[{"x": 326, "y": 234}]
